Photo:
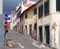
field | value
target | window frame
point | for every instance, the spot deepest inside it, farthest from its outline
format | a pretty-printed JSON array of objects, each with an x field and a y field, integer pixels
[
  {"x": 35, "y": 11},
  {"x": 26, "y": 15}
]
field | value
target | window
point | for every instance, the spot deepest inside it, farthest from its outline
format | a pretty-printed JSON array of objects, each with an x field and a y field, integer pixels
[
  {"x": 58, "y": 5},
  {"x": 46, "y": 8},
  {"x": 40, "y": 11},
  {"x": 26, "y": 16},
  {"x": 35, "y": 11}
]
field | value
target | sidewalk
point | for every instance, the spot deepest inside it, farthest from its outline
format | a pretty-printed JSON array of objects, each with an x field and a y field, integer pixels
[
  {"x": 38, "y": 44},
  {"x": 41, "y": 46}
]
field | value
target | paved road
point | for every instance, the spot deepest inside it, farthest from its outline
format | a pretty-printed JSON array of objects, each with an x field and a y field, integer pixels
[{"x": 23, "y": 42}]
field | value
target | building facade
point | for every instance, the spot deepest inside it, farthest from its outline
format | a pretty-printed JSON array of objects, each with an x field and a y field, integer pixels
[
  {"x": 28, "y": 22},
  {"x": 46, "y": 19},
  {"x": 48, "y": 22},
  {"x": 16, "y": 13}
]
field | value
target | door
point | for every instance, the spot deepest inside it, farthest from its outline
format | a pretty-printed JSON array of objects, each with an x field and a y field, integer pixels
[
  {"x": 40, "y": 33},
  {"x": 47, "y": 32},
  {"x": 26, "y": 29},
  {"x": 22, "y": 29},
  {"x": 30, "y": 29}
]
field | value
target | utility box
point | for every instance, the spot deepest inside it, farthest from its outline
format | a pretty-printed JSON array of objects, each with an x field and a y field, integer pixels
[{"x": 2, "y": 31}]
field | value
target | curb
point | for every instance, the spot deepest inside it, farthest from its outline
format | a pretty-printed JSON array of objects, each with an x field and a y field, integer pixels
[
  {"x": 43, "y": 45},
  {"x": 35, "y": 42},
  {"x": 50, "y": 46}
]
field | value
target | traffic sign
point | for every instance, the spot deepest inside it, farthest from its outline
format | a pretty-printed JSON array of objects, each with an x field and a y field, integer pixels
[{"x": 6, "y": 15}]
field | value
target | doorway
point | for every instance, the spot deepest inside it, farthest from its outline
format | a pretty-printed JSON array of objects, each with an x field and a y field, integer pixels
[
  {"x": 40, "y": 33},
  {"x": 26, "y": 30},
  {"x": 47, "y": 32},
  {"x": 30, "y": 29}
]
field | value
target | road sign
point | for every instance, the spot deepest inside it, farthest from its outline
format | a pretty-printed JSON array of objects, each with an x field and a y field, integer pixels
[
  {"x": 6, "y": 15},
  {"x": 7, "y": 18}
]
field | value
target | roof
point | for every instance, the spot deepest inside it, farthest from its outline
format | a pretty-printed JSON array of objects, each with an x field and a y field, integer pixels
[
  {"x": 31, "y": 7},
  {"x": 28, "y": 4},
  {"x": 26, "y": 10}
]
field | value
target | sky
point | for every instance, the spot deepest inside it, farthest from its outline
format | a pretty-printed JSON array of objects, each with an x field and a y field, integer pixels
[{"x": 9, "y": 5}]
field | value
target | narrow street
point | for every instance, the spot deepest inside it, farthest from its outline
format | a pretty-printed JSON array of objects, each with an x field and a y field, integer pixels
[{"x": 20, "y": 40}]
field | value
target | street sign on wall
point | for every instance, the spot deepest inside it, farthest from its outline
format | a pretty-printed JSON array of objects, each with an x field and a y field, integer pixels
[{"x": 2, "y": 31}]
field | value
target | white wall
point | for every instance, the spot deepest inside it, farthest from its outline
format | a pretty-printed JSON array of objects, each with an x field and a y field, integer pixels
[
  {"x": 52, "y": 6},
  {"x": 53, "y": 16},
  {"x": 56, "y": 19}
]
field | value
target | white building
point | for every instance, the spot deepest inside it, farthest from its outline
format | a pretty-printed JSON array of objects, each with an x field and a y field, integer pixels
[
  {"x": 14, "y": 24},
  {"x": 48, "y": 22}
]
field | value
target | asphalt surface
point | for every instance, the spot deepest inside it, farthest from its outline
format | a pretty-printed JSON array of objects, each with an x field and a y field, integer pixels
[{"x": 20, "y": 41}]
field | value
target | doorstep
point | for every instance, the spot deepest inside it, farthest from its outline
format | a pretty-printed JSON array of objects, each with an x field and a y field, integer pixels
[{"x": 42, "y": 45}]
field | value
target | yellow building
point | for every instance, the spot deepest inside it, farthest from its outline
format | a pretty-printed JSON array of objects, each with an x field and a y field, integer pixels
[{"x": 28, "y": 21}]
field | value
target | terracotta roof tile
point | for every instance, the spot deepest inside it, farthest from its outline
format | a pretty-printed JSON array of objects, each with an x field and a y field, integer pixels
[{"x": 28, "y": 4}]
